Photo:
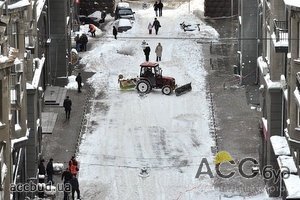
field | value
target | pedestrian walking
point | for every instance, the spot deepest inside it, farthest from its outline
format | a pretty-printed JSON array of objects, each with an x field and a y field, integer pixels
[
  {"x": 147, "y": 52},
  {"x": 42, "y": 170},
  {"x": 50, "y": 171},
  {"x": 155, "y": 6},
  {"x": 67, "y": 105},
  {"x": 150, "y": 28},
  {"x": 92, "y": 30},
  {"x": 160, "y": 6},
  {"x": 115, "y": 32},
  {"x": 79, "y": 82},
  {"x": 75, "y": 187},
  {"x": 77, "y": 41},
  {"x": 158, "y": 51},
  {"x": 156, "y": 25},
  {"x": 83, "y": 41},
  {"x": 66, "y": 176},
  {"x": 73, "y": 166}
]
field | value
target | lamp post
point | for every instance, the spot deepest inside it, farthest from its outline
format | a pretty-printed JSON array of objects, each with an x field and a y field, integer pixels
[{"x": 189, "y": 6}]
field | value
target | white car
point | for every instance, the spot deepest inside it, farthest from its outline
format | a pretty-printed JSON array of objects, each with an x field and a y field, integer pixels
[{"x": 123, "y": 25}]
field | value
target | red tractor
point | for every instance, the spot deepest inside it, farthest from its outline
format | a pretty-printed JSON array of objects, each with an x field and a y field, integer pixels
[{"x": 151, "y": 77}]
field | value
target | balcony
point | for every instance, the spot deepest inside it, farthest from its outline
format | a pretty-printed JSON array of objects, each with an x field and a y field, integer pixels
[{"x": 281, "y": 36}]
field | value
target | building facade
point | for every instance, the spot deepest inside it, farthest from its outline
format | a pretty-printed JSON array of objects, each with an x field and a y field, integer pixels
[{"x": 278, "y": 38}]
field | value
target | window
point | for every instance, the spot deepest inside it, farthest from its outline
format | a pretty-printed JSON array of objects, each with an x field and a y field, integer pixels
[{"x": 14, "y": 33}]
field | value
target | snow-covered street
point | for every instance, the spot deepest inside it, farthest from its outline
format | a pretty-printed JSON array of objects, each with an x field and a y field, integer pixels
[{"x": 168, "y": 135}]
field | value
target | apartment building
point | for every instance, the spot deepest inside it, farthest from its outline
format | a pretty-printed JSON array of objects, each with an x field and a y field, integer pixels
[{"x": 279, "y": 36}]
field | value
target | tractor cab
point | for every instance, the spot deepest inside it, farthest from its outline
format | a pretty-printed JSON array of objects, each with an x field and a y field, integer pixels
[{"x": 151, "y": 77}]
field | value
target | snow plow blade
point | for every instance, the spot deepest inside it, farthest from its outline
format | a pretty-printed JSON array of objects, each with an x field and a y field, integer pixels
[
  {"x": 126, "y": 84},
  {"x": 183, "y": 89}
]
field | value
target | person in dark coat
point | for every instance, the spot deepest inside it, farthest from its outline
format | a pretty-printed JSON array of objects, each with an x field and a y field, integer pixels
[
  {"x": 75, "y": 187},
  {"x": 67, "y": 105},
  {"x": 83, "y": 41},
  {"x": 160, "y": 6},
  {"x": 115, "y": 32},
  {"x": 147, "y": 52},
  {"x": 79, "y": 82},
  {"x": 77, "y": 40},
  {"x": 155, "y": 6},
  {"x": 66, "y": 176},
  {"x": 50, "y": 171},
  {"x": 42, "y": 170},
  {"x": 156, "y": 25}
]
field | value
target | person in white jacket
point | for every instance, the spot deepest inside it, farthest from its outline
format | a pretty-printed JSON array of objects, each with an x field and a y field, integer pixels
[
  {"x": 158, "y": 51},
  {"x": 150, "y": 28}
]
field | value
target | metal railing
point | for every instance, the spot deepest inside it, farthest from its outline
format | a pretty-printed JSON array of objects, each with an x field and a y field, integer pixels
[{"x": 281, "y": 30}]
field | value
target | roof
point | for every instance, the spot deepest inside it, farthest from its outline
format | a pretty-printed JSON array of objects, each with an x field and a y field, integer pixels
[
  {"x": 293, "y": 4},
  {"x": 149, "y": 64}
]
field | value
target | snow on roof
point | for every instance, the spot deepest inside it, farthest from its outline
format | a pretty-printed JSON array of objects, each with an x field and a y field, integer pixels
[
  {"x": 37, "y": 72},
  {"x": 19, "y": 4},
  {"x": 297, "y": 96},
  {"x": 29, "y": 86},
  {"x": 272, "y": 84},
  {"x": 287, "y": 162},
  {"x": 39, "y": 7},
  {"x": 293, "y": 3},
  {"x": 292, "y": 185},
  {"x": 3, "y": 59},
  {"x": 280, "y": 145},
  {"x": 1, "y": 3}
]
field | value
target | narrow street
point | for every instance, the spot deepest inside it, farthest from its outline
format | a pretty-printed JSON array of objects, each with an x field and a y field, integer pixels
[{"x": 168, "y": 135}]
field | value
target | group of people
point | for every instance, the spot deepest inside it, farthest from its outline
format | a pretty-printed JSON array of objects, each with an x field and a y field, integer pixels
[
  {"x": 69, "y": 176},
  {"x": 147, "y": 49},
  {"x": 156, "y": 25},
  {"x": 81, "y": 42},
  {"x": 48, "y": 170},
  {"x": 158, "y": 6}
]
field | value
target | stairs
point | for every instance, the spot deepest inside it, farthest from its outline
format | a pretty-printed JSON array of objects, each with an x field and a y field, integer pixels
[{"x": 55, "y": 95}]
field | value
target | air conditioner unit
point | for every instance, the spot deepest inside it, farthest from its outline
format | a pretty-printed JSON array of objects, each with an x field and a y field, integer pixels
[{"x": 19, "y": 67}]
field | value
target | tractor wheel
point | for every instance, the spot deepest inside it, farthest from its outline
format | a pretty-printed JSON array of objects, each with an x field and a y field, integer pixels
[
  {"x": 143, "y": 86},
  {"x": 166, "y": 90}
]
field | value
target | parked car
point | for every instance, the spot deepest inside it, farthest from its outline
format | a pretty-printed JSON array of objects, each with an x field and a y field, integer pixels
[
  {"x": 123, "y": 25},
  {"x": 95, "y": 18},
  {"x": 123, "y": 10}
]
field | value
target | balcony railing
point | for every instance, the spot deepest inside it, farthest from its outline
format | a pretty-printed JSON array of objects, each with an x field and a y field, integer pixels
[{"x": 281, "y": 30}]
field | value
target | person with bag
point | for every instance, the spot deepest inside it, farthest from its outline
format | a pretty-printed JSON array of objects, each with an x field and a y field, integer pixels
[{"x": 156, "y": 25}]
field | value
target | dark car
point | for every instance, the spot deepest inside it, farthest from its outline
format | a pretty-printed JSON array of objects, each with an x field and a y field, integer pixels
[
  {"x": 88, "y": 20},
  {"x": 124, "y": 11}
]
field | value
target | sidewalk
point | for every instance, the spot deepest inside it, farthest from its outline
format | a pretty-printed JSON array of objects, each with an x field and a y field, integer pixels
[
  {"x": 235, "y": 127},
  {"x": 63, "y": 143}
]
